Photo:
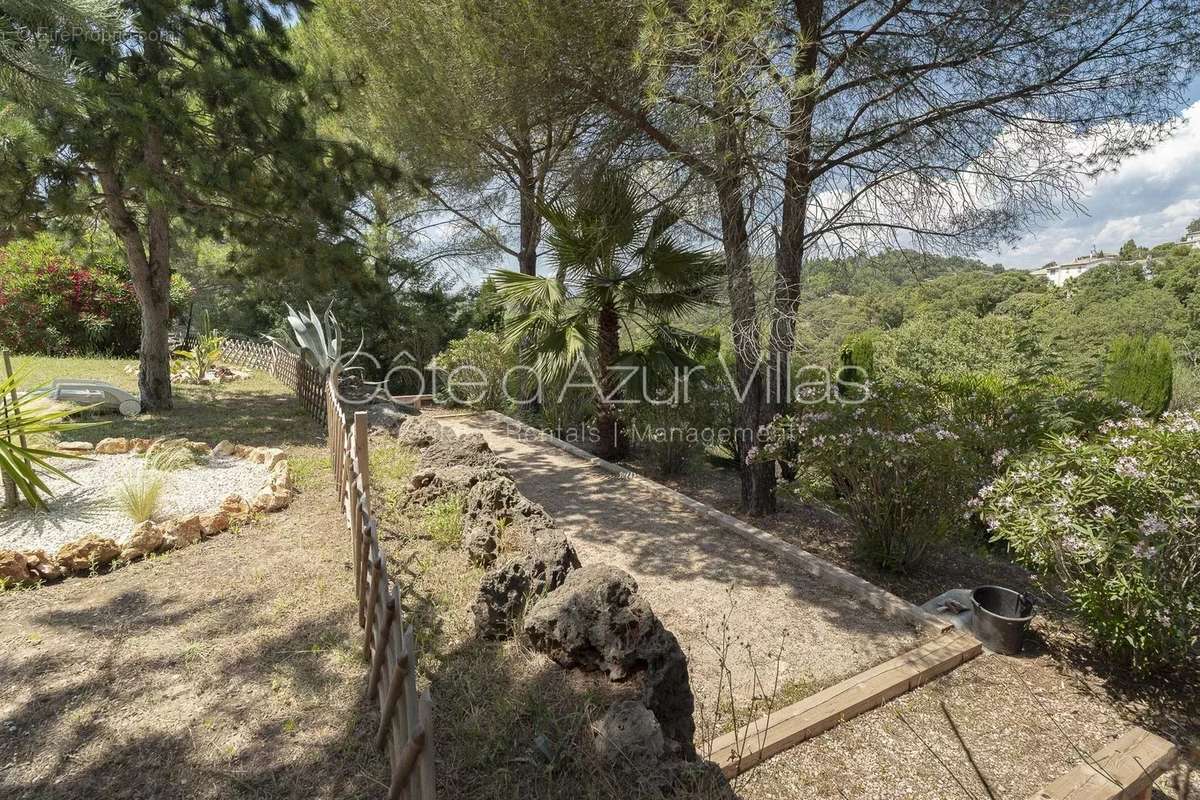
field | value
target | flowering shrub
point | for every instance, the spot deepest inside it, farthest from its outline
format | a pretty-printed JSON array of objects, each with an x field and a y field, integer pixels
[
  {"x": 60, "y": 303},
  {"x": 895, "y": 464},
  {"x": 1115, "y": 519}
]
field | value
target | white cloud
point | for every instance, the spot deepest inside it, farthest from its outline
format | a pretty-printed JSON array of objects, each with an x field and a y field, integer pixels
[{"x": 1150, "y": 198}]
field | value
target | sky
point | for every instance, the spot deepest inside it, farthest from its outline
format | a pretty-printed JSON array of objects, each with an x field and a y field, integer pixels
[{"x": 1150, "y": 198}]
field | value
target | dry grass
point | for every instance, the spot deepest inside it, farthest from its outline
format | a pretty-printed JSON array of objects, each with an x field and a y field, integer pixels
[
  {"x": 138, "y": 494},
  {"x": 510, "y": 723}
]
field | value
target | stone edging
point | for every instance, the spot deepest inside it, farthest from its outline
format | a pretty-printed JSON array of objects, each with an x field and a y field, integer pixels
[
  {"x": 84, "y": 555},
  {"x": 875, "y": 596}
]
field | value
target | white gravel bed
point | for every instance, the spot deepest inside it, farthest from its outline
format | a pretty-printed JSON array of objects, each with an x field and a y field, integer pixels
[{"x": 77, "y": 509}]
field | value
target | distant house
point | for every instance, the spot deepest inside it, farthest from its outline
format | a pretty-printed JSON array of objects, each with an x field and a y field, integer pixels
[
  {"x": 1059, "y": 274},
  {"x": 1192, "y": 238}
]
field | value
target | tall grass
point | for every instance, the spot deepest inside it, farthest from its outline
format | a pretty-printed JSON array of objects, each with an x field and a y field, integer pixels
[{"x": 138, "y": 494}]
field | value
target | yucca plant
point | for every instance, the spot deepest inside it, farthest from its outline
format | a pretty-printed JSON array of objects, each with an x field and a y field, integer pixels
[
  {"x": 317, "y": 338},
  {"x": 619, "y": 266},
  {"x": 21, "y": 463}
]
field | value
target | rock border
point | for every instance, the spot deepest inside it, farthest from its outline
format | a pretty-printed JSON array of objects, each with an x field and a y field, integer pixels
[{"x": 86, "y": 554}]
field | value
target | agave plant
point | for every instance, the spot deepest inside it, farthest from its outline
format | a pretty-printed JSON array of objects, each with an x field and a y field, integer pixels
[
  {"x": 22, "y": 464},
  {"x": 317, "y": 339}
]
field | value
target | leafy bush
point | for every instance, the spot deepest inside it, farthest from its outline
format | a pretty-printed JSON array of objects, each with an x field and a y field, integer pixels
[
  {"x": 681, "y": 422},
  {"x": 894, "y": 464},
  {"x": 57, "y": 302},
  {"x": 856, "y": 364},
  {"x": 1138, "y": 370},
  {"x": 473, "y": 371},
  {"x": 1115, "y": 519}
]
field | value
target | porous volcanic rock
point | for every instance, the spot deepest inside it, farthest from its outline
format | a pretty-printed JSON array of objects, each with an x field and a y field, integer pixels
[{"x": 509, "y": 590}]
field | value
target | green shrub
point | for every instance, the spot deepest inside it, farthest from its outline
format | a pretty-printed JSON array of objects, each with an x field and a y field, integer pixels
[
  {"x": 473, "y": 371},
  {"x": 856, "y": 364},
  {"x": 1114, "y": 518},
  {"x": 897, "y": 467},
  {"x": 1185, "y": 388},
  {"x": 1138, "y": 371},
  {"x": 679, "y": 427}
]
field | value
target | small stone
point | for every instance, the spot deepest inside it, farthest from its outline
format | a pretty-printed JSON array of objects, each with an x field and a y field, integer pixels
[
  {"x": 182, "y": 532},
  {"x": 272, "y": 500},
  {"x": 145, "y": 539},
  {"x": 224, "y": 448},
  {"x": 113, "y": 446},
  {"x": 76, "y": 447},
  {"x": 214, "y": 522},
  {"x": 199, "y": 448},
  {"x": 235, "y": 505},
  {"x": 139, "y": 445},
  {"x": 86, "y": 553},
  {"x": 629, "y": 735}
]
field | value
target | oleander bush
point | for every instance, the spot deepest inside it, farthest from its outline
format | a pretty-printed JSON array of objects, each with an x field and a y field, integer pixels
[
  {"x": 472, "y": 371},
  {"x": 894, "y": 465},
  {"x": 1114, "y": 519},
  {"x": 60, "y": 302}
]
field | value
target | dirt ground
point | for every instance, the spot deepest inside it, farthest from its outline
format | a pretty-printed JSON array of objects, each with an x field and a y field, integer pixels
[
  {"x": 229, "y": 669},
  {"x": 740, "y": 612},
  {"x": 1083, "y": 700}
]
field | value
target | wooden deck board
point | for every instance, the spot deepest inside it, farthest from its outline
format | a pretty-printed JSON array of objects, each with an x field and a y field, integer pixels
[
  {"x": 1123, "y": 769},
  {"x": 757, "y": 741}
]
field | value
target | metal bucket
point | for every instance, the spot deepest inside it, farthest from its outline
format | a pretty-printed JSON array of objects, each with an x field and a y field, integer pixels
[{"x": 1001, "y": 617}]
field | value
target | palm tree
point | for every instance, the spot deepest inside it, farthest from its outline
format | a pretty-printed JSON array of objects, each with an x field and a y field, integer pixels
[{"x": 619, "y": 269}]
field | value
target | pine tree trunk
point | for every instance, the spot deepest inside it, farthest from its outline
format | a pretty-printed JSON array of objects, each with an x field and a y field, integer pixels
[
  {"x": 611, "y": 444},
  {"x": 758, "y": 478}
]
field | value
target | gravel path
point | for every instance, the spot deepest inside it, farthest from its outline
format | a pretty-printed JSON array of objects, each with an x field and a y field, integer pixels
[
  {"x": 713, "y": 589},
  {"x": 86, "y": 507}
]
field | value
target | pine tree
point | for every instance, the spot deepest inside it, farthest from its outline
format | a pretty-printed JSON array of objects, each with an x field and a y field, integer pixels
[
  {"x": 191, "y": 113},
  {"x": 1139, "y": 370}
]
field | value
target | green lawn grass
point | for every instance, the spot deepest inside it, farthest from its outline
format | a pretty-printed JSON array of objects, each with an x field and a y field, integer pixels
[{"x": 258, "y": 411}]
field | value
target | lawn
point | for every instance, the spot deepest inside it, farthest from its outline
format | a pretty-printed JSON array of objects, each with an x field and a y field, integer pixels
[{"x": 257, "y": 411}]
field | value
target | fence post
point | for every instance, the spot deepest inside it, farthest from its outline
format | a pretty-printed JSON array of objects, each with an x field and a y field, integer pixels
[{"x": 362, "y": 454}]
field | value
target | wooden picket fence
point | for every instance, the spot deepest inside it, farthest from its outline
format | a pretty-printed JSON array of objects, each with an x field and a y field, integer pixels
[
  {"x": 405, "y": 718},
  {"x": 305, "y": 380}
]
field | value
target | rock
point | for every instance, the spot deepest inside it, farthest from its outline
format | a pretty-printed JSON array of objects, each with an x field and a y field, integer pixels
[
  {"x": 14, "y": 568},
  {"x": 199, "y": 448},
  {"x": 430, "y": 485},
  {"x": 42, "y": 564},
  {"x": 281, "y": 477},
  {"x": 470, "y": 450},
  {"x": 508, "y": 591},
  {"x": 214, "y": 522},
  {"x": 629, "y": 735},
  {"x": 596, "y": 620},
  {"x": 498, "y": 498},
  {"x": 235, "y": 505},
  {"x": 146, "y": 538},
  {"x": 76, "y": 447},
  {"x": 114, "y": 446},
  {"x": 87, "y": 553},
  {"x": 242, "y": 451},
  {"x": 223, "y": 448},
  {"x": 271, "y": 500},
  {"x": 161, "y": 444},
  {"x": 182, "y": 532},
  {"x": 267, "y": 456},
  {"x": 139, "y": 445},
  {"x": 419, "y": 432}
]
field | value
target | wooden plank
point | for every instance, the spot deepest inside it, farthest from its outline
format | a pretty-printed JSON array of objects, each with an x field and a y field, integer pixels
[
  {"x": 757, "y": 741},
  {"x": 426, "y": 764},
  {"x": 1124, "y": 769}
]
